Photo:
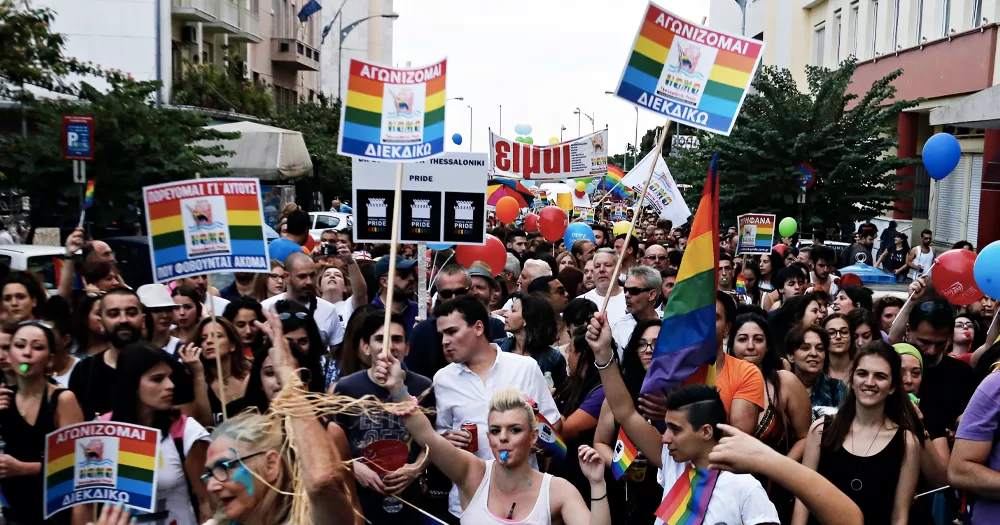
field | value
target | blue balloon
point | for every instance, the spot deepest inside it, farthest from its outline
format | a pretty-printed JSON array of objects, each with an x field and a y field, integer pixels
[
  {"x": 438, "y": 246},
  {"x": 987, "y": 270},
  {"x": 577, "y": 231},
  {"x": 941, "y": 154},
  {"x": 457, "y": 139},
  {"x": 591, "y": 187}
]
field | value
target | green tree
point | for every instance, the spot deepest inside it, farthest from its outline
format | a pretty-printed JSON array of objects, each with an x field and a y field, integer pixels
[
  {"x": 844, "y": 137},
  {"x": 225, "y": 89},
  {"x": 319, "y": 124}
]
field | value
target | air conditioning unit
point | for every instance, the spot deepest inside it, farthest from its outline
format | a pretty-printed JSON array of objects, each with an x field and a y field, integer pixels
[{"x": 189, "y": 35}]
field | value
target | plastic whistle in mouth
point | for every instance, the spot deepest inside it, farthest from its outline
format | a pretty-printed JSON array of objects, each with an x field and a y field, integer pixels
[
  {"x": 503, "y": 455},
  {"x": 24, "y": 368}
]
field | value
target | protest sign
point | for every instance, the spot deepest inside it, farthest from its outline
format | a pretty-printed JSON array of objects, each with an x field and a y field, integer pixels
[
  {"x": 688, "y": 73},
  {"x": 205, "y": 226},
  {"x": 618, "y": 212},
  {"x": 586, "y": 156},
  {"x": 443, "y": 200},
  {"x": 100, "y": 461},
  {"x": 756, "y": 233},
  {"x": 584, "y": 213},
  {"x": 663, "y": 194},
  {"x": 393, "y": 114}
]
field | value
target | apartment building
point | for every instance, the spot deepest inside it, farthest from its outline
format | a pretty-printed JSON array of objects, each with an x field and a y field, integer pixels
[
  {"x": 368, "y": 27},
  {"x": 948, "y": 52}
]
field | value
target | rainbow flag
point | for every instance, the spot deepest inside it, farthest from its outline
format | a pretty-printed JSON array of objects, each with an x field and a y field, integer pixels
[
  {"x": 88, "y": 196},
  {"x": 205, "y": 225},
  {"x": 625, "y": 453},
  {"x": 612, "y": 183},
  {"x": 701, "y": 81},
  {"x": 393, "y": 115},
  {"x": 99, "y": 461},
  {"x": 688, "y": 355},
  {"x": 741, "y": 285},
  {"x": 687, "y": 501},
  {"x": 548, "y": 440}
]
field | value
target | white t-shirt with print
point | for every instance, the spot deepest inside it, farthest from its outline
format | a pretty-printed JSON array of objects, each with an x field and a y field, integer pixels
[
  {"x": 737, "y": 498},
  {"x": 325, "y": 316},
  {"x": 171, "y": 488},
  {"x": 344, "y": 309}
]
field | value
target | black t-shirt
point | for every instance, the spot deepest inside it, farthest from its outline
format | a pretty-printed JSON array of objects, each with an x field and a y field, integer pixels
[
  {"x": 363, "y": 430},
  {"x": 944, "y": 391},
  {"x": 93, "y": 382}
]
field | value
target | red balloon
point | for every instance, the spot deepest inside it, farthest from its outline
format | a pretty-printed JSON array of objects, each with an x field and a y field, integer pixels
[
  {"x": 493, "y": 254},
  {"x": 531, "y": 223},
  {"x": 953, "y": 278},
  {"x": 552, "y": 223},
  {"x": 507, "y": 209}
]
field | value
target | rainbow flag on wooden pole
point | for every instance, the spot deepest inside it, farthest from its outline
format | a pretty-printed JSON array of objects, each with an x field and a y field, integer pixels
[
  {"x": 688, "y": 353},
  {"x": 88, "y": 200}
]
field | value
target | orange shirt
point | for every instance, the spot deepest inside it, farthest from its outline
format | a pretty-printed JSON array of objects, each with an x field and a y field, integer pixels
[{"x": 740, "y": 379}]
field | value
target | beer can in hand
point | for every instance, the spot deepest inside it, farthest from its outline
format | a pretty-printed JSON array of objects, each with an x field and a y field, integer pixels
[{"x": 473, "y": 431}]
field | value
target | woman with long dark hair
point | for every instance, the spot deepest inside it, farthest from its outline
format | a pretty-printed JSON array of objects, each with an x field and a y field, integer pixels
[
  {"x": 188, "y": 313},
  {"x": 750, "y": 273},
  {"x": 807, "y": 353},
  {"x": 893, "y": 259},
  {"x": 216, "y": 336},
  {"x": 870, "y": 450},
  {"x": 88, "y": 328},
  {"x": 300, "y": 328},
  {"x": 22, "y": 296},
  {"x": 770, "y": 264},
  {"x": 245, "y": 312},
  {"x": 841, "y": 350},
  {"x": 637, "y": 491},
  {"x": 144, "y": 395},
  {"x": 784, "y": 423},
  {"x": 532, "y": 322}
]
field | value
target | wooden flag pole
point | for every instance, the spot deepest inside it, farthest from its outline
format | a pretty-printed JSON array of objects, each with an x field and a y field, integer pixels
[
  {"x": 635, "y": 215},
  {"x": 211, "y": 333},
  {"x": 394, "y": 241},
  {"x": 608, "y": 193}
]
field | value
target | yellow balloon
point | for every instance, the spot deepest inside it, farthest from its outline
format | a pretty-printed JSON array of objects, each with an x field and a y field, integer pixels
[
  {"x": 621, "y": 228},
  {"x": 581, "y": 186},
  {"x": 553, "y": 140}
]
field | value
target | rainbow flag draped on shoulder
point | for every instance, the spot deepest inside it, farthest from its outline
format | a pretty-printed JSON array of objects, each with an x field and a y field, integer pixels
[{"x": 686, "y": 350}]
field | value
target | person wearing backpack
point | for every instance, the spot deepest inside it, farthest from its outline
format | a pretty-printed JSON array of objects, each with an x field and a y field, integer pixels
[{"x": 144, "y": 395}]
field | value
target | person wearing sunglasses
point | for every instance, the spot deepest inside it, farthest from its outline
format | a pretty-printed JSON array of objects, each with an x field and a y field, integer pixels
[
  {"x": 643, "y": 285},
  {"x": 656, "y": 256}
]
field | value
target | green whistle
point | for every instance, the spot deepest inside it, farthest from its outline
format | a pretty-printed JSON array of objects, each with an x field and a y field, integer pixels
[
  {"x": 912, "y": 398},
  {"x": 24, "y": 368}
]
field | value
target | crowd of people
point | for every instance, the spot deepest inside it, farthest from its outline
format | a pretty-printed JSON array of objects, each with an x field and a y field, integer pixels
[{"x": 830, "y": 404}]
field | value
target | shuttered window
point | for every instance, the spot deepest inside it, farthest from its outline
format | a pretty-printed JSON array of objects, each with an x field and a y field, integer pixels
[
  {"x": 975, "y": 191},
  {"x": 950, "y": 221}
]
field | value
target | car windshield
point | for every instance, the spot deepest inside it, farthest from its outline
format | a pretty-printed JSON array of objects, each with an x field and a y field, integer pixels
[{"x": 48, "y": 267}]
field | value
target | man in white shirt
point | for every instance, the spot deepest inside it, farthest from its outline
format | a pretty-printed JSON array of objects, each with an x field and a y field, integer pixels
[
  {"x": 462, "y": 390},
  {"x": 642, "y": 287},
  {"x": 200, "y": 284},
  {"x": 301, "y": 285},
  {"x": 605, "y": 261}
]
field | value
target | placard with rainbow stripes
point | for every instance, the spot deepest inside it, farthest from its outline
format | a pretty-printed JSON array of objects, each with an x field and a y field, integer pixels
[
  {"x": 689, "y": 73},
  {"x": 756, "y": 233},
  {"x": 205, "y": 226},
  {"x": 100, "y": 461},
  {"x": 392, "y": 114}
]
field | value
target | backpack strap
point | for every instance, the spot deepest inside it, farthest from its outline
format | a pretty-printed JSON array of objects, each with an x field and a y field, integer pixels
[{"x": 177, "y": 434}]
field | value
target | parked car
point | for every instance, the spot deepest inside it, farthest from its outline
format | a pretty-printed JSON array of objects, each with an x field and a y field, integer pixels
[
  {"x": 43, "y": 260},
  {"x": 330, "y": 220}
]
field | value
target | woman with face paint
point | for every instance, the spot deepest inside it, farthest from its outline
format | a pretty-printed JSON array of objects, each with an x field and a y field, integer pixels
[
  {"x": 26, "y": 417},
  {"x": 248, "y": 467},
  {"x": 144, "y": 395},
  {"x": 504, "y": 489}
]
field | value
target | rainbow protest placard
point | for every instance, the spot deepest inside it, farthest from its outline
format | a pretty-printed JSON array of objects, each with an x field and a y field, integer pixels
[
  {"x": 393, "y": 115},
  {"x": 687, "y": 72},
  {"x": 756, "y": 233},
  {"x": 625, "y": 453},
  {"x": 205, "y": 226},
  {"x": 548, "y": 439},
  {"x": 100, "y": 461}
]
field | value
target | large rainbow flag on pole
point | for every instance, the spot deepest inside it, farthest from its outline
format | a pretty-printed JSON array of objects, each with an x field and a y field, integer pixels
[{"x": 688, "y": 353}]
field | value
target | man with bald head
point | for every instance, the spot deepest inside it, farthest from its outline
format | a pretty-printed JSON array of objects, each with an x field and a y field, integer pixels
[
  {"x": 301, "y": 288},
  {"x": 656, "y": 257}
]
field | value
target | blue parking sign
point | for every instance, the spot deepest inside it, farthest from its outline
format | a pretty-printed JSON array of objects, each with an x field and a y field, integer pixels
[{"x": 78, "y": 137}]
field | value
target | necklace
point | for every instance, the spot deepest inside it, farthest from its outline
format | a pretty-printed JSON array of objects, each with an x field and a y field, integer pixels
[{"x": 856, "y": 483}]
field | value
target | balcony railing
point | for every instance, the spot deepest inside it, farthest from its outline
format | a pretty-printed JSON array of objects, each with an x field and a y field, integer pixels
[
  {"x": 249, "y": 27},
  {"x": 294, "y": 54},
  {"x": 229, "y": 13},
  {"x": 196, "y": 10}
]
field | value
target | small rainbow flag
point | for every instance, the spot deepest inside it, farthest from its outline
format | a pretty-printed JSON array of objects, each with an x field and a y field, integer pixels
[
  {"x": 688, "y": 355},
  {"x": 548, "y": 440},
  {"x": 741, "y": 285},
  {"x": 659, "y": 75},
  {"x": 612, "y": 183},
  {"x": 393, "y": 115},
  {"x": 99, "y": 461},
  {"x": 625, "y": 454},
  {"x": 687, "y": 501},
  {"x": 88, "y": 196}
]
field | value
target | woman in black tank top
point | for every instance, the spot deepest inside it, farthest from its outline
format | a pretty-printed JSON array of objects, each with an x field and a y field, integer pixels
[
  {"x": 36, "y": 409},
  {"x": 871, "y": 449}
]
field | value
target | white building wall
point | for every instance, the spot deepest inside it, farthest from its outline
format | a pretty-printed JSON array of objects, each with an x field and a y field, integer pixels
[{"x": 370, "y": 40}]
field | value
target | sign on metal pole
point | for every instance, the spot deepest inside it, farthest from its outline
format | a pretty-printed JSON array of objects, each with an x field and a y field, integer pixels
[{"x": 78, "y": 137}]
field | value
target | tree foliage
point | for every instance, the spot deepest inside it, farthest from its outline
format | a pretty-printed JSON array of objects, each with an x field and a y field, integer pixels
[
  {"x": 224, "y": 89},
  {"x": 844, "y": 137},
  {"x": 319, "y": 124}
]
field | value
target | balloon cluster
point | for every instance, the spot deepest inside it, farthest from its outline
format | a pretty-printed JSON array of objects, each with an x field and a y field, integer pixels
[{"x": 523, "y": 130}]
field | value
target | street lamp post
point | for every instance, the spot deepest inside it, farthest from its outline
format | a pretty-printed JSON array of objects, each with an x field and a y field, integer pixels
[
  {"x": 344, "y": 31},
  {"x": 561, "y": 129},
  {"x": 635, "y": 151},
  {"x": 589, "y": 117},
  {"x": 470, "y": 126}
]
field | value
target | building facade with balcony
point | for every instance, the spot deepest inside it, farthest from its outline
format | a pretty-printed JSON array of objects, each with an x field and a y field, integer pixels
[
  {"x": 371, "y": 40},
  {"x": 948, "y": 52}
]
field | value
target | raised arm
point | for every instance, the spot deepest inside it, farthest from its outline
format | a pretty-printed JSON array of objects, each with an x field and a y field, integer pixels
[
  {"x": 604, "y": 435},
  {"x": 643, "y": 435},
  {"x": 810, "y": 460},
  {"x": 897, "y": 332},
  {"x": 191, "y": 357},
  {"x": 359, "y": 288},
  {"x": 74, "y": 242}
]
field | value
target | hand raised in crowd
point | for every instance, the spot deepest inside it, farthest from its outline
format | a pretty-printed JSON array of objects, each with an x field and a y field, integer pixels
[
  {"x": 190, "y": 355},
  {"x": 739, "y": 452},
  {"x": 918, "y": 288},
  {"x": 591, "y": 464},
  {"x": 653, "y": 407},
  {"x": 599, "y": 337},
  {"x": 396, "y": 481},
  {"x": 114, "y": 514},
  {"x": 75, "y": 242},
  {"x": 280, "y": 353},
  {"x": 368, "y": 478}
]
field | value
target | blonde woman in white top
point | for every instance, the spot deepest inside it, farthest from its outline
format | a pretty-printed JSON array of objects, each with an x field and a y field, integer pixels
[{"x": 506, "y": 489}]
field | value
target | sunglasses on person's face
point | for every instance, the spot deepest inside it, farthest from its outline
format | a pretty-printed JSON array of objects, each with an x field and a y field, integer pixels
[
  {"x": 656, "y": 257},
  {"x": 284, "y": 316},
  {"x": 448, "y": 294},
  {"x": 636, "y": 290},
  {"x": 559, "y": 291}
]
